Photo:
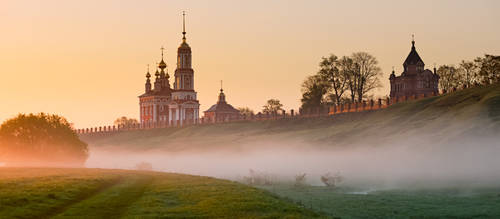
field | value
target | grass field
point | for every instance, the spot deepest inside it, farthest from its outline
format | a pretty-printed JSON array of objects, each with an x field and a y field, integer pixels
[
  {"x": 429, "y": 203},
  {"x": 100, "y": 193}
]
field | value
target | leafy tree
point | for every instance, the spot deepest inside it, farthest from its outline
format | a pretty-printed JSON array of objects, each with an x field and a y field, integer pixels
[
  {"x": 489, "y": 68},
  {"x": 366, "y": 74},
  {"x": 469, "y": 69},
  {"x": 273, "y": 106},
  {"x": 40, "y": 139},
  {"x": 347, "y": 69},
  {"x": 332, "y": 74},
  {"x": 449, "y": 77},
  {"x": 313, "y": 90},
  {"x": 245, "y": 111},
  {"x": 124, "y": 121}
]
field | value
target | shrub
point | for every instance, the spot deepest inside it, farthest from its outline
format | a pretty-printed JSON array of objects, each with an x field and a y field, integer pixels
[{"x": 331, "y": 180}]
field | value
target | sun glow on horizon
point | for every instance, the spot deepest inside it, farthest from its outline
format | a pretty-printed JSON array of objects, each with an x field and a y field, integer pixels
[{"x": 86, "y": 60}]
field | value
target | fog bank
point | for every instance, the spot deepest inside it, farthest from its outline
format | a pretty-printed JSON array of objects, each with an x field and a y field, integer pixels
[{"x": 408, "y": 163}]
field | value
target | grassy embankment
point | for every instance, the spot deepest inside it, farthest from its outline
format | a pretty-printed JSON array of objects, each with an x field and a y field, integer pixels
[
  {"x": 474, "y": 111},
  {"x": 99, "y": 193}
]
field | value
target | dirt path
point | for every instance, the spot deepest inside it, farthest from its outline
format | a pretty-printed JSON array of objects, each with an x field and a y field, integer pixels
[{"x": 108, "y": 203}]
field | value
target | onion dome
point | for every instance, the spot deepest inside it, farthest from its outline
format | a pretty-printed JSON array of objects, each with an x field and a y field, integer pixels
[
  {"x": 148, "y": 75},
  {"x": 162, "y": 64}
]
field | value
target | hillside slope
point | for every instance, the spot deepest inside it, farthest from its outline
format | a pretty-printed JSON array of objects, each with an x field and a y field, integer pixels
[
  {"x": 99, "y": 193},
  {"x": 443, "y": 119}
]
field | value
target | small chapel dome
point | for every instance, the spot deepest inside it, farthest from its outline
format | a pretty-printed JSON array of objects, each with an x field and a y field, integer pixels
[{"x": 162, "y": 64}]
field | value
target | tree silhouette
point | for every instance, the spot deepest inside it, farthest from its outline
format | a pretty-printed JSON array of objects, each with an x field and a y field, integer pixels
[
  {"x": 124, "y": 121},
  {"x": 272, "y": 106}
]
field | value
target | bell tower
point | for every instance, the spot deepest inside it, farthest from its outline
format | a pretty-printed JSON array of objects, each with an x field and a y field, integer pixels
[
  {"x": 184, "y": 74},
  {"x": 187, "y": 105}
]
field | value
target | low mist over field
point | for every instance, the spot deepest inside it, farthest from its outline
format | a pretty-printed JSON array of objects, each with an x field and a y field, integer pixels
[
  {"x": 413, "y": 157},
  {"x": 417, "y": 144},
  {"x": 414, "y": 162}
]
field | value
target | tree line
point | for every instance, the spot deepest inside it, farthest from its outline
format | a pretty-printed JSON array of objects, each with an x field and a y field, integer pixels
[
  {"x": 341, "y": 80},
  {"x": 480, "y": 71}
]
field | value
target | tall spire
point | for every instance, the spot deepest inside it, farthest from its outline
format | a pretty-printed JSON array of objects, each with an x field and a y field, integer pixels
[
  {"x": 413, "y": 41},
  {"x": 162, "y": 65},
  {"x": 222, "y": 96},
  {"x": 183, "y": 26}
]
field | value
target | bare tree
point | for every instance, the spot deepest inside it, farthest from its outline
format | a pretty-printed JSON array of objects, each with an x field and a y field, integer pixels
[
  {"x": 367, "y": 74},
  {"x": 331, "y": 180},
  {"x": 300, "y": 180}
]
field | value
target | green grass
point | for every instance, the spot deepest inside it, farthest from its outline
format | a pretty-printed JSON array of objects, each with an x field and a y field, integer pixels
[
  {"x": 99, "y": 193},
  {"x": 432, "y": 203}
]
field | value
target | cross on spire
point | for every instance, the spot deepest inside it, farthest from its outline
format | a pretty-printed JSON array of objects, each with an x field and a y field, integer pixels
[
  {"x": 183, "y": 25},
  {"x": 221, "y": 86},
  {"x": 413, "y": 40},
  {"x": 162, "y": 52}
]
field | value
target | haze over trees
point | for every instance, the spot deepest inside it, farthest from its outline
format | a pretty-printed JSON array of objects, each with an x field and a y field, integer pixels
[
  {"x": 40, "y": 139},
  {"x": 339, "y": 80}
]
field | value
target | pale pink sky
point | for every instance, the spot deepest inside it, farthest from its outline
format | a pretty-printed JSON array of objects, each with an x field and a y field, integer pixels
[{"x": 86, "y": 60}]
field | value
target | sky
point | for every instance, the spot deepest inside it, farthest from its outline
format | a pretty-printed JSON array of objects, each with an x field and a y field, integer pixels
[{"x": 86, "y": 60}]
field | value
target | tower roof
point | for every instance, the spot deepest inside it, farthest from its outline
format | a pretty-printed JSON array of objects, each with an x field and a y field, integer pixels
[
  {"x": 222, "y": 105},
  {"x": 162, "y": 64},
  {"x": 184, "y": 44},
  {"x": 413, "y": 58}
]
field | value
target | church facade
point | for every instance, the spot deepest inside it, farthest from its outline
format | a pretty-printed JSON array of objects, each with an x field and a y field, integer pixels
[
  {"x": 415, "y": 79},
  {"x": 221, "y": 111},
  {"x": 164, "y": 105}
]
